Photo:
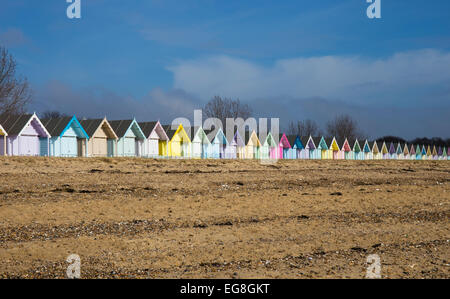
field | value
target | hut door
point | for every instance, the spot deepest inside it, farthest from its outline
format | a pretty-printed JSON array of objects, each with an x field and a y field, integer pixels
[{"x": 80, "y": 147}]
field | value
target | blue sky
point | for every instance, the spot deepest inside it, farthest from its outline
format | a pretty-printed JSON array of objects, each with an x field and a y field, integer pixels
[{"x": 161, "y": 59}]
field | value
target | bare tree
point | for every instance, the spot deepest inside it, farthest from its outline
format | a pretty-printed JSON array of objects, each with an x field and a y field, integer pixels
[
  {"x": 306, "y": 127},
  {"x": 226, "y": 108},
  {"x": 52, "y": 114},
  {"x": 344, "y": 126},
  {"x": 15, "y": 92}
]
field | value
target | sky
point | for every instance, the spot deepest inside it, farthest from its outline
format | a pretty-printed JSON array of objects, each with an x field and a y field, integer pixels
[{"x": 161, "y": 59}]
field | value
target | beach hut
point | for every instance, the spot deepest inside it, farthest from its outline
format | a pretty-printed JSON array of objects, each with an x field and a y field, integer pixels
[
  {"x": 297, "y": 150},
  {"x": 429, "y": 153},
  {"x": 412, "y": 152},
  {"x": 434, "y": 153},
  {"x": 421, "y": 152},
  {"x": 317, "y": 151},
  {"x": 334, "y": 149},
  {"x": 440, "y": 153},
  {"x": 398, "y": 151},
  {"x": 269, "y": 148},
  {"x": 235, "y": 147},
  {"x": 179, "y": 145},
  {"x": 345, "y": 150},
  {"x": 69, "y": 139},
  {"x": 447, "y": 153},
  {"x": 304, "y": 153},
  {"x": 200, "y": 144},
  {"x": 219, "y": 143},
  {"x": 383, "y": 149},
  {"x": 405, "y": 154},
  {"x": 322, "y": 147},
  {"x": 156, "y": 142},
  {"x": 367, "y": 151},
  {"x": 3, "y": 135},
  {"x": 356, "y": 149},
  {"x": 392, "y": 151},
  {"x": 131, "y": 138},
  {"x": 252, "y": 145},
  {"x": 27, "y": 136},
  {"x": 283, "y": 147},
  {"x": 102, "y": 138},
  {"x": 418, "y": 152}
]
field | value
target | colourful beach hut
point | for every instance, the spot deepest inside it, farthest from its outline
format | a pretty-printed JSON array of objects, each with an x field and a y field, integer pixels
[
  {"x": 179, "y": 145},
  {"x": 102, "y": 138},
  {"x": 283, "y": 147},
  {"x": 398, "y": 151},
  {"x": 269, "y": 148},
  {"x": 356, "y": 149},
  {"x": 418, "y": 152},
  {"x": 219, "y": 143},
  {"x": 429, "y": 153},
  {"x": 317, "y": 151},
  {"x": 69, "y": 139},
  {"x": 334, "y": 149},
  {"x": 297, "y": 150},
  {"x": 235, "y": 147},
  {"x": 440, "y": 153},
  {"x": 252, "y": 145},
  {"x": 200, "y": 144},
  {"x": 412, "y": 152},
  {"x": 392, "y": 151},
  {"x": 434, "y": 153},
  {"x": 345, "y": 152},
  {"x": 27, "y": 136},
  {"x": 323, "y": 147},
  {"x": 156, "y": 142},
  {"x": 383, "y": 149},
  {"x": 367, "y": 151},
  {"x": 3, "y": 135},
  {"x": 131, "y": 138},
  {"x": 304, "y": 153},
  {"x": 405, "y": 154},
  {"x": 376, "y": 152}
]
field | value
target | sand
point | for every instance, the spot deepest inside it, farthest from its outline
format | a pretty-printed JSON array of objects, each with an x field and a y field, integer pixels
[{"x": 145, "y": 218}]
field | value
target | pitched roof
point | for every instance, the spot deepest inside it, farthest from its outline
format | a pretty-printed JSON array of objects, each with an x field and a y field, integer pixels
[
  {"x": 316, "y": 140},
  {"x": 328, "y": 141},
  {"x": 340, "y": 142},
  {"x": 91, "y": 125},
  {"x": 13, "y": 124},
  {"x": 169, "y": 131},
  {"x": 304, "y": 140},
  {"x": 147, "y": 127},
  {"x": 55, "y": 126},
  {"x": 120, "y": 127},
  {"x": 292, "y": 139}
]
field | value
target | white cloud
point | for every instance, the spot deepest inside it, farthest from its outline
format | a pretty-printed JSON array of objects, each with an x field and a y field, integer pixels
[{"x": 403, "y": 77}]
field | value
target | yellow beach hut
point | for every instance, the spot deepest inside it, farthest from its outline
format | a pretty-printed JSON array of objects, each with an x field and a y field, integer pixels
[
  {"x": 252, "y": 145},
  {"x": 179, "y": 145}
]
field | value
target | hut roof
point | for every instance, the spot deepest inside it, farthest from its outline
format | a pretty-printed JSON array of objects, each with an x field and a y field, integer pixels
[
  {"x": 13, "y": 124},
  {"x": 147, "y": 127},
  {"x": 56, "y": 126}
]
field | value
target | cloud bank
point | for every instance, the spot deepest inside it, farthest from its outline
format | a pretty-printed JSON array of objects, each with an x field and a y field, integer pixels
[{"x": 406, "y": 77}]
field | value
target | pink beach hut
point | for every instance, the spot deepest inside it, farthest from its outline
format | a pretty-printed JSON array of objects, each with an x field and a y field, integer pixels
[{"x": 283, "y": 147}]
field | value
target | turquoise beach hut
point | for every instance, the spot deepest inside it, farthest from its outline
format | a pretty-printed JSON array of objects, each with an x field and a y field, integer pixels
[
  {"x": 69, "y": 139},
  {"x": 131, "y": 138}
]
